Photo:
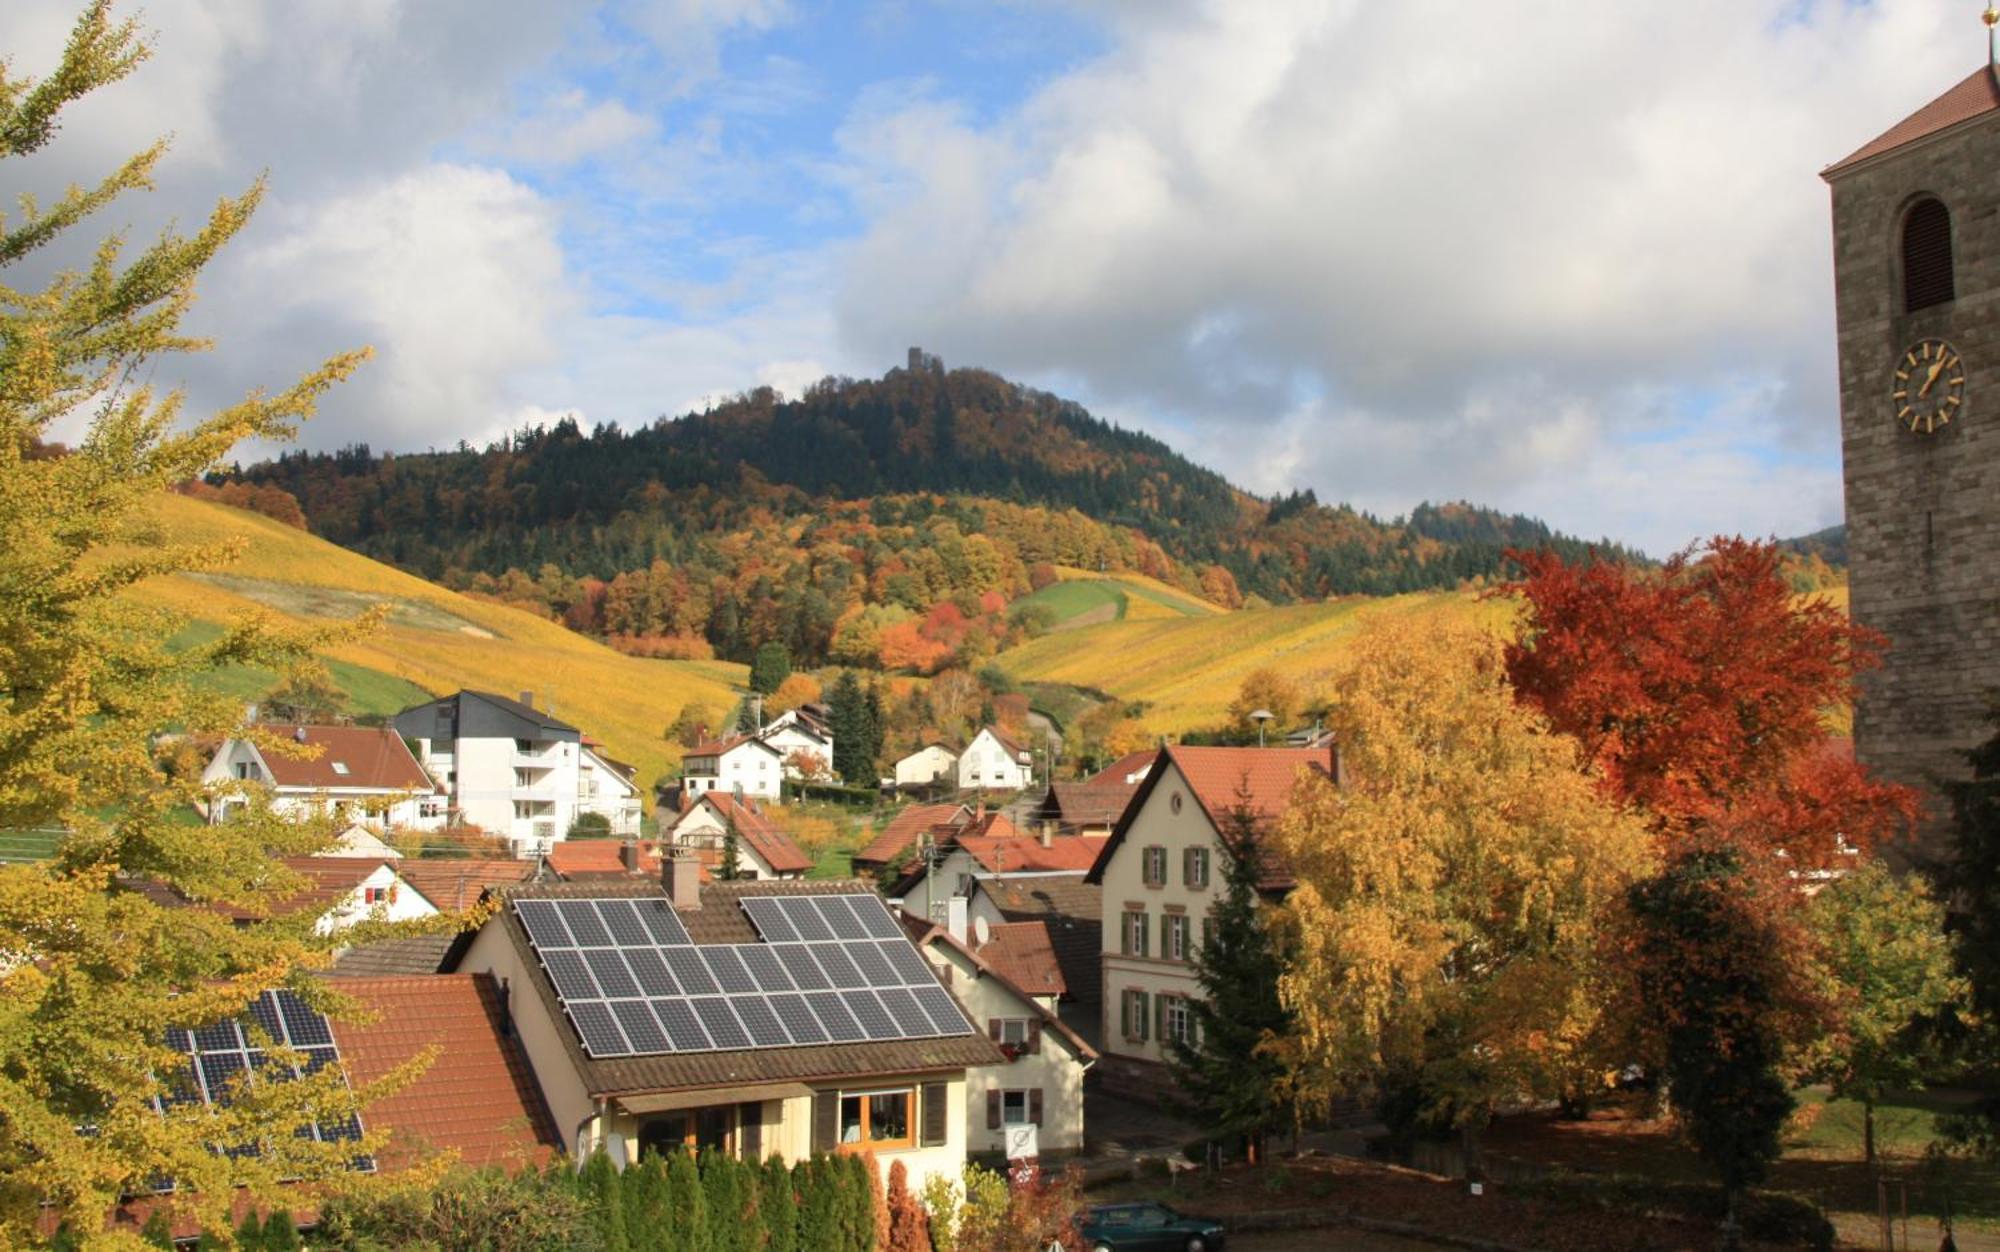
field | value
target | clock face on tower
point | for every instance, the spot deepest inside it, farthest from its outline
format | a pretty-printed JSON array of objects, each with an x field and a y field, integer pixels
[{"x": 1929, "y": 388}]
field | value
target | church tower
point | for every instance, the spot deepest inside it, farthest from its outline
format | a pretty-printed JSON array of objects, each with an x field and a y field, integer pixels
[{"x": 1916, "y": 231}]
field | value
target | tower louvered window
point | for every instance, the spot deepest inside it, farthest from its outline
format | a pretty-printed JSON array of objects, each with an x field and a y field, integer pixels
[{"x": 1927, "y": 272}]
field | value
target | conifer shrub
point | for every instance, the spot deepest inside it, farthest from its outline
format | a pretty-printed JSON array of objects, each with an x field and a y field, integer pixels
[
  {"x": 908, "y": 1231},
  {"x": 281, "y": 1234},
  {"x": 778, "y": 1207},
  {"x": 687, "y": 1207},
  {"x": 643, "y": 1191}
]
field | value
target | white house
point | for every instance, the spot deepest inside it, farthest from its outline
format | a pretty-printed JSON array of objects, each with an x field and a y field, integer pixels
[
  {"x": 762, "y": 849},
  {"x": 739, "y": 765},
  {"x": 1040, "y": 1079},
  {"x": 795, "y": 731},
  {"x": 515, "y": 771},
  {"x": 931, "y": 764},
  {"x": 339, "y": 892},
  {"x": 352, "y": 772},
  {"x": 993, "y": 762},
  {"x": 1161, "y": 872},
  {"x": 357, "y": 841}
]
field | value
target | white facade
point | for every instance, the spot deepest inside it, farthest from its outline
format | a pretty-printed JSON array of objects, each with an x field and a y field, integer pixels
[
  {"x": 1153, "y": 920},
  {"x": 238, "y": 764},
  {"x": 703, "y": 827},
  {"x": 358, "y": 842},
  {"x": 929, "y": 764},
  {"x": 603, "y": 789},
  {"x": 789, "y": 733},
  {"x": 989, "y": 765},
  {"x": 383, "y": 896},
  {"x": 747, "y": 767}
]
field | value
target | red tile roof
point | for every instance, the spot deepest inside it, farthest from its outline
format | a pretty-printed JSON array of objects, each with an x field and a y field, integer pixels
[
  {"x": 1017, "y": 855},
  {"x": 1022, "y": 951},
  {"x": 456, "y": 883},
  {"x": 901, "y": 833},
  {"x": 926, "y": 934},
  {"x": 478, "y": 1096},
  {"x": 584, "y": 858},
  {"x": 329, "y": 880},
  {"x": 1976, "y": 96},
  {"x": 716, "y": 747},
  {"x": 754, "y": 827},
  {"x": 374, "y": 757},
  {"x": 1225, "y": 780}
]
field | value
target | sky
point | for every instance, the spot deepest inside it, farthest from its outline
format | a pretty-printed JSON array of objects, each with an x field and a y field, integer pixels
[{"x": 1565, "y": 258}]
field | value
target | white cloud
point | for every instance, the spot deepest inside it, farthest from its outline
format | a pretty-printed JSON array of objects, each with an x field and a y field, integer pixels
[
  {"x": 1470, "y": 237},
  {"x": 570, "y": 127}
]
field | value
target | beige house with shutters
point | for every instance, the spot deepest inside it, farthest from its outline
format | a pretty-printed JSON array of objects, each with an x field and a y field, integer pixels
[
  {"x": 902, "y": 1100},
  {"x": 1161, "y": 870}
]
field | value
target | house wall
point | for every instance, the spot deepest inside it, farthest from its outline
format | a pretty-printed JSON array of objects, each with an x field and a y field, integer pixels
[
  {"x": 748, "y": 768},
  {"x": 1124, "y": 888},
  {"x": 396, "y": 809},
  {"x": 789, "y": 739},
  {"x": 988, "y": 766},
  {"x": 406, "y": 905},
  {"x": 1054, "y": 1069},
  {"x": 487, "y": 793},
  {"x": 569, "y": 1103},
  {"x": 601, "y": 789},
  {"x": 926, "y": 766},
  {"x": 702, "y": 827}
]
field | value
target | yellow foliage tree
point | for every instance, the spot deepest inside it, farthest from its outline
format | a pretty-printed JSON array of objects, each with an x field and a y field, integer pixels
[
  {"x": 1451, "y": 891},
  {"x": 1270, "y": 691},
  {"x": 95, "y": 973},
  {"x": 796, "y": 690}
]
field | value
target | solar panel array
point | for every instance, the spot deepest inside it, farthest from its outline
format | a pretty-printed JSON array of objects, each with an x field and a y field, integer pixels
[
  {"x": 831, "y": 969},
  {"x": 219, "y": 1053}
]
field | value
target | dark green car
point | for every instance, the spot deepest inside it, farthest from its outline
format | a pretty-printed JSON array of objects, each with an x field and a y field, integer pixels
[{"x": 1146, "y": 1227}]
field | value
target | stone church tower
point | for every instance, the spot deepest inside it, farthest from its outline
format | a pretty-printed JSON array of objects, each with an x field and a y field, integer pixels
[{"x": 1916, "y": 231}]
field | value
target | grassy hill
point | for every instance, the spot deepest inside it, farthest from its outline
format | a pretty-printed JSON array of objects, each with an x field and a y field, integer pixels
[
  {"x": 1187, "y": 669},
  {"x": 1084, "y": 598},
  {"x": 435, "y": 641}
]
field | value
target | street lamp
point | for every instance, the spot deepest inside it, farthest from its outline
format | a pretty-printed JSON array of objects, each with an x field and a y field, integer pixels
[{"x": 1262, "y": 717}]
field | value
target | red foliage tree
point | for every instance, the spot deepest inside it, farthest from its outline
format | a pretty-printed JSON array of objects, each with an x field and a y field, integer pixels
[
  {"x": 909, "y": 1229},
  {"x": 1698, "y": 691}
]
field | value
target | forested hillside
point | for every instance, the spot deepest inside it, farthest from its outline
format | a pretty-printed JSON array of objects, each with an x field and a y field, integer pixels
[{"x": 887, "y": 523}]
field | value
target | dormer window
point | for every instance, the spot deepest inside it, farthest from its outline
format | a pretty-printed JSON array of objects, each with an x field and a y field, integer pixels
[
  {"x": 340, "y": 768},
  {"x": 1927, "y": 266}
]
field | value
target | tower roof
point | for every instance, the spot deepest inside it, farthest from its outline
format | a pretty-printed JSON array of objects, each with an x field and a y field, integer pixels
[{"x": 1977, "y": 95}]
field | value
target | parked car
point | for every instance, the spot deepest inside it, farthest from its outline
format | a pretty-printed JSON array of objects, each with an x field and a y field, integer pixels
[{"x": 1147, "y": 1227}]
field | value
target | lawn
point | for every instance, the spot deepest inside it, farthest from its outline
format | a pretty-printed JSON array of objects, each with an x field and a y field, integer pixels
[
  {"x": 370, "y": 692},
  {"x": 1075, "y": 604}
]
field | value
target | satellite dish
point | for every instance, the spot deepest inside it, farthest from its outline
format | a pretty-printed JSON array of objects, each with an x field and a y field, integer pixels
[{"x": 981, "y": 931}]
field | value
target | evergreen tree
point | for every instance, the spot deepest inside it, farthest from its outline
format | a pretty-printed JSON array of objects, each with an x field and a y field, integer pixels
[
  {"x": 1969, "y": 883},
  {"x": 722, "y": 1199},
  {"x": 746, "y": 718},
  {"x": 848, "y": 712},
  {"x": 648, "y": 1212},
  {"x": 281, "y": 1234},
  {"x": 250, "y": 1233},
  {"x": 158, "y": 1231},
  {"x": 599, "y": 1184},
  {"x": 877, "y": 724},
  {"x": 819, "y": 1203},
  {"x": 778, "y": 1206},
  {"x": 688, "y": 1206},
  {"x": 732, "y": 854},
  {"x": 908, "y": 1229},
  {"x": 770, "y": 667},
  {"x": 878, "y": 1203},
  {"x": 1229, "y": 1084}
]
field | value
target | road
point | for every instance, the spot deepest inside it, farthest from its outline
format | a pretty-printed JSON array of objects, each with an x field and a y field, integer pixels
[{"x": 1343, "y": 1238}]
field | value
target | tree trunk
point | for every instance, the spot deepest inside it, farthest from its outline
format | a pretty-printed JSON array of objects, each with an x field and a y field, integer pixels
[{"x": 1468, "y": 1145}]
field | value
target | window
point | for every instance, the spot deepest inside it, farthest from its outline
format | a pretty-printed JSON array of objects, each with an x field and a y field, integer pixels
[
  {"x": 1133, "y": 1010},
  {"x": 1174, "y": 943},
  {"x": 379, "y": 895},
  {"x": 340, "y": 768},
  {"x": 876, "y": 1119},
  {"x": 1012, "y": 1030},
  {"x": 245, "y": 771},
  {"x": 1194, "y": 867},
  {"x": 1927, "y": 264},
  {"x": 1155, "y": 866},
  {"x": 1176, "y": 1022},
  {"x": 1133, "y": 934},
  {"x": 1014, "y": 1108}
]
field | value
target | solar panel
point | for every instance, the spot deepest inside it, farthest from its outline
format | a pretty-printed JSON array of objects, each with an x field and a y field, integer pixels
[
  {"x": 908, "y": 962},
  {"x": 769, "y": 920},
  {"x": 798, "y": 962},
  {"x": 765, "y": 967},
  {"x": 798, "y": 1018},
  {"x": 598, "y": 1029},
  {"x": 622, "y": 920},
  {"x": 941, "y": 1009},
  {"x": 641, "y": 1029},
  {"x": 728, "y": 969},
  {"x": 721, "y": 1024},
  {"x": 760, "y": 1020},
  {"x": 874, "y": 967},
  {"x": 581, "y": 918},
  {"x": 908, "y": 1015},
  {"x": 690, "y": 970},
  {"x": 833, "y": 1014},
  {"x": 840, "y": 918},
  {"x": 544, "y": 924},
  {"x": 839, "y": 967},
  {"x": 304, "y": 1027},
  {"x": 651, "y": 971},
  {"x": 829, "y": 969},
  {"x": 875, "y": 917},
  {"x": 613, "y": 978},
  {"x": 667, "y": 928},
  {"x": 804, "y": 915}
]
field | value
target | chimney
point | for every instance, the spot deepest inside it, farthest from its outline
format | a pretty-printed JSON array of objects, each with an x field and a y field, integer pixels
[
  {"x": 628, "y": 855},
  {"x": 954, "y": 917},
  {"x": 1339, "y": 765},
  {"x": 681, "y": 874},
  {"x": 299, "y": 733},
  {"x": 1048, "y": 834},
  {"x": 528, "y": 698}
]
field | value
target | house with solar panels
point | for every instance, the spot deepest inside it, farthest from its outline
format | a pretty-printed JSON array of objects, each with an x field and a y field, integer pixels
[{"x": 785, "y": 1017}]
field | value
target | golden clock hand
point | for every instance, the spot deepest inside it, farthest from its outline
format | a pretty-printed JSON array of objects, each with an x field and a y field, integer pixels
[{"x": 1930, "y": 380}]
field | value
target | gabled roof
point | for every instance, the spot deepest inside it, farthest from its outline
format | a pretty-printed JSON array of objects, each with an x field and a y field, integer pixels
[
  {"x": 1019, "y": 855},
  {"x": 599, "y": 858},
  {"x": 455, "y": 884},
  {"x": 1975, "y": 96},
  {"x": 498, "y": 712},
  {"x": 901, "y": 833},
  {"x": 477, "y": 1096},
  {"x": 368, "y": 757},
  {"x": 414, "y": 954},
  {"x": 1022, "y": 951},
  {"x": 1071, "y": 912},
  {"x": 720, "y": 919},
  {"x": 992, "y": 826},
  {"x": 1013, "y": 749},
  {"x": 1100, "y": 799},
  {"x": 927, "y": 934},
  {"x": 717, "y": 747},
  {"x": 1223, "y": 780},
  {"x": 755, "y": 828},
  {"x": 329, "y": 880}
]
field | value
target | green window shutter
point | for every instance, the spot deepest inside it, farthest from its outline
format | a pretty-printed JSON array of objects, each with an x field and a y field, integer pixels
[
  {"x": 1140, "y": 1011},
  {"x": 1124, "y": 1015},
  {"x": 1160, "y": 1016}
]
